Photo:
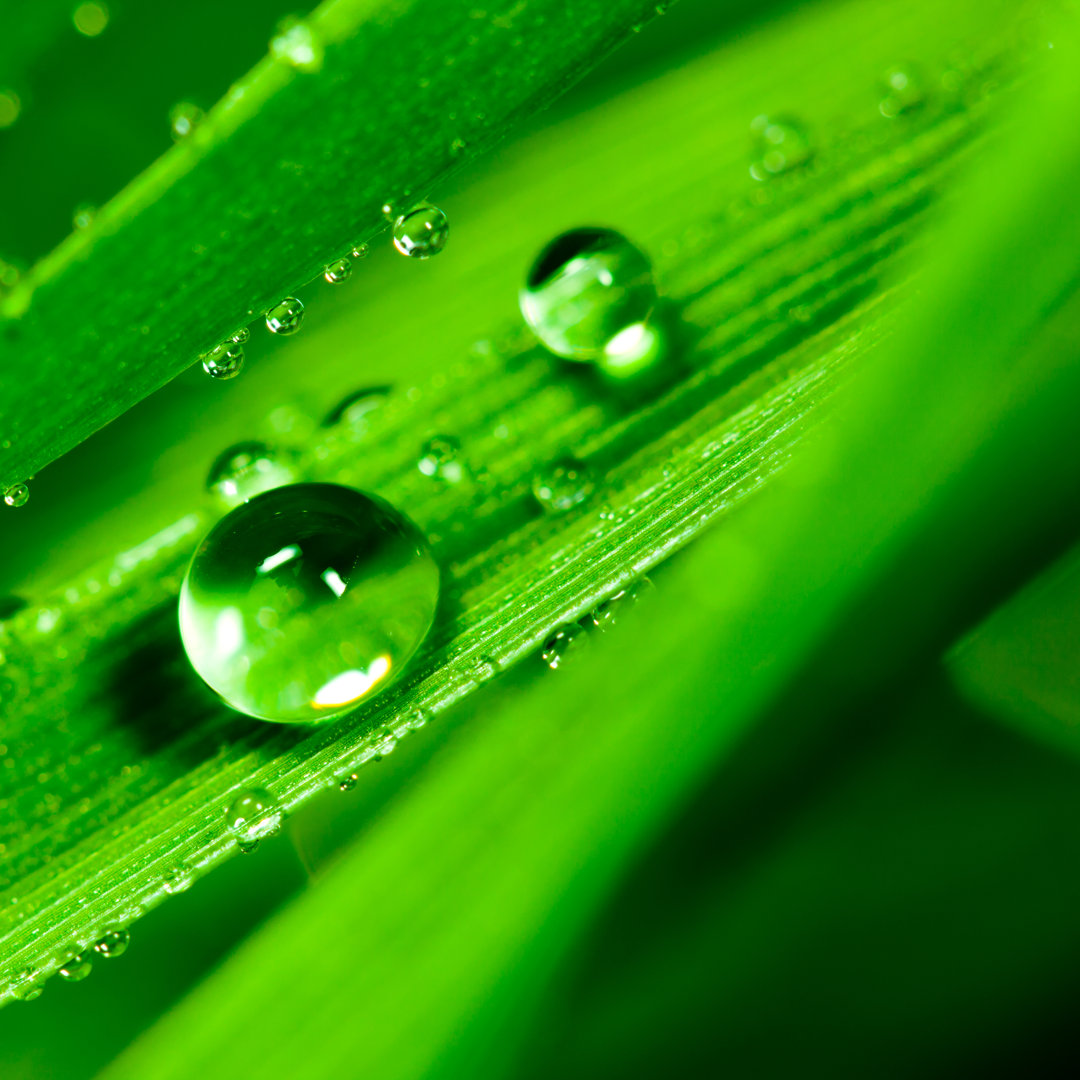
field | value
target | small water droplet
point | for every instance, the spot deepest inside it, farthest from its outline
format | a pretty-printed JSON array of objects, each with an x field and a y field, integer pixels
[
  {"x": 562, "y": 485},
  {"x": 184, "y": 118},
  {"x": 177, "y": 880},
  {"x": 485, "y": 667},
  {"x": 613, "y": 610},
  {"x": 252, "y": 816},
  {"x": 564, "y": 645},
  {"x": 347, "y": 783},
  {"x": 285, "y": 317},
  {"x": 360, "y": 251},
  {"x": 440, "y": 458},
  {"x": 338, "y": 271},
  {"x": 76, "y": 969},
  {"x": 306, "y": 600},
  {"x": 83, "y": 215},
  {"x": 458, "y": 146},
  {"x": 418, "y": 718},
  {"x": 17, "y": 495},
  {"x": 27, "y": 988},
  {"x": 355, "y": 410},
  {"x": 246, "y": 470},
  {"x": 905, "y": 90},
  {"x": 422, "y": 232},
  {"x": 112, "y": 943},
  {"x": 588, "y": 287},
  {"x": 782, "y": 145},
  {"x": 225, "y": 362},
  {"x": 298, "y": 45}
]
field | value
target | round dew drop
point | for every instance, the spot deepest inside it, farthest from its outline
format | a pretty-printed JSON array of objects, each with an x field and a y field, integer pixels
[
  {"x": 184, "y": 118},
  {"x": 562, "y": 485},
  {"x": 253, "y": 815},
  {"x": 440, "y": 458},
  {"x": 76, "y": 969},
  {"x": 338, "y": 271},
  {"x": 421, "y": 232},
  {"x": 564, "y": 645},
  {"x": 904, "y": 91},
  {"x": 17, "y": 495},
  {"x": 782, "y": 145},
  {"x": 306, "y": 600},
  {"x": 246, "y": 470},
  {"x": 112, "y": 943},
  {"x": 285, "y": 317},
  {"x": 355, "y": 409},
  {"x": 225, "y": 362},
  {"x": 586, "y": 289}
]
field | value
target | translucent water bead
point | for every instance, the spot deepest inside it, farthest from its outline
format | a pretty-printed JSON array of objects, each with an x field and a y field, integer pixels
[
  {"x": 305, "y": 600},
  {"x": 585, "y": 289}
]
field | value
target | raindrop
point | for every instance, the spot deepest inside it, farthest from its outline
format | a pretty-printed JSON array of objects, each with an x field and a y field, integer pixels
[
  {"x": 347, "y": 783},
  {"x": 224, "y": 362},
  {"x": 564, "y": 645},
  {"x": 562, "y": 485},
  {"x": 904, "y": 90},
  {"x": 422, "y": 232},
  {"x": 83, "y": 216},
  {"x": 248, "y": 469},
  {"x": 112, "y": 943},
  {"x": 613, "y": 610},
  {"x": 184, "y": 118},
  {"x": 360, "y": 251},
  {"x": 297, "y": 45},
  {"x": 285, "y": 317},
  {"x": 17, "y": 495},
  {"x": 76, "y": 969},
  {"x": 356, "y": 409},
  {"x": 782, "y": 145},
  {"x": 252, "y": 816},
  {"x": 338, "y": 271},
  {"x": 306, "y": 600},
  {"x": 586, "y": 289},
  {"x": 440, "y": 458}
]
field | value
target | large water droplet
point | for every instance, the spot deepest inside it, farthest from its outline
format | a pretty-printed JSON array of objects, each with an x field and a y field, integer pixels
[
  {"x": 440, "y": 458},
  {"x": 562, "y": 485},
  {"x": 17, "y": 495},
  {"x": 76, "y": 969},
  {"x": 338, "y": 271},
  {"x": 184, "y": 118},
  {"x": 112, "y": 943},
  {"x": 355, "y": 410},
  {"x": 224, "y": 362},
  {"x": 252, "y": 816},
  {"x": 246, "y": 470},
  {"x": 564, "y": 645},
  {"x": 305, "y": 600},
  {"x": 904, "y": 90},
  {"x": 587, "y": 288},
  {"x": 782, "y": 145},
  {"x": 297, "y": 44},
  {"x": 422, "y": 232},
  {"x": 285, "y": 317}
]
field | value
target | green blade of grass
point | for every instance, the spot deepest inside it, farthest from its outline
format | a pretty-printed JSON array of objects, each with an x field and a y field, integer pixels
[{"x": 445, "y": 924}]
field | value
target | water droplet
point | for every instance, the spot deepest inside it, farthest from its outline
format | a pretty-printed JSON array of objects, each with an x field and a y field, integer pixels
[
  {"x": 224, "y": 362},
  {"x": 347, "y": 783},
  {"x": 440, "y": 458},
  {"x": 417, "y": 719},
  {"x": 17, "y": 495},
  {"x": 356, "y": 409},
  {"x": 90, "y": 18},
  {"x": 184, "y": 118},
  {"x": 252, "y": 816},
  {"x": 485, "y": 667},
  {"x": 285, "y": 317},
  {"x": 76, "y": 969},
  {"x": 27, "y": 988},
  {"x": 904, "y": 90},
  {"x": 177, "y": 880},
  {"x": 562, "y": 485},
  {"x": 338, "y": 271},
  {"x": 458, "y": 146},
  {"x": 248, "y": 469},
  {"x": 112, "y": 943},
  {"x": 422, "y": 232},
  {"x": 83, "y": 215},
  {"x": 360, "y": 251},
  {"x": 585, "y": 289},
  {"x": 782, "y": 145},
  {"x": 306, "y": 600},
  {"x": 11, "y": 605},
  {"x": 613, "y": 610},
  {"x": 297, "y": 45},
  {"x": 241, "y": 336},
  {"x": 10, "y": 107},
  {"x": 564, "y": 645}
]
